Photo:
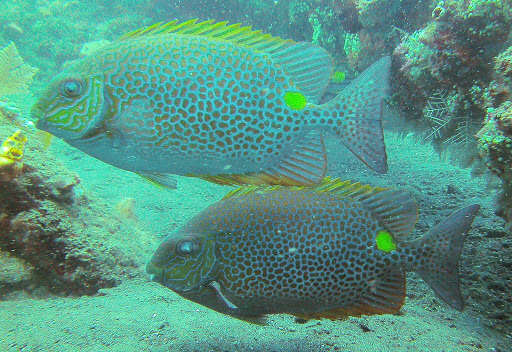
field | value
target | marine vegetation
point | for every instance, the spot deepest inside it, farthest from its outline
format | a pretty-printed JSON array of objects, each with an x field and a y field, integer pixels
[
  {"x": 58, "y": 238},
  {"x": 451, "y": 54},
  {"x": 335, "y": 250},
  {"x": 495, "y": 136},
  {"x": 11, "y": 154},
  {"x": 221, "y": 102},
  {"x": 449, "y": 83},
  {"x": 15, "y": 74}
]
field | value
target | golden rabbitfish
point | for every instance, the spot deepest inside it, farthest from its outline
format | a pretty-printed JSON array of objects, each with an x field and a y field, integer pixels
[
  {"x": 217, "y": 101},
  {"x": 330, "y": 251}
]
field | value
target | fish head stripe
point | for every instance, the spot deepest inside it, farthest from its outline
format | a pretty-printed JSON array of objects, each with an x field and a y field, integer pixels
[
  {"x": 73, "y": 107},
  {"x": 184, "y": 262}
]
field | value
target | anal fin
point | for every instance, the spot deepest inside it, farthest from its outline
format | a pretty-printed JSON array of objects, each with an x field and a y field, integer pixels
[
  {"x": 386, "y": 296},
  {"x": 306, "y": 165},
  {"x": 160, "y": 180}
]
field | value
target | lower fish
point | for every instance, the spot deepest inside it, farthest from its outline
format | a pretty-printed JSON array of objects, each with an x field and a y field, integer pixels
[{"x": 331, "y": 251}]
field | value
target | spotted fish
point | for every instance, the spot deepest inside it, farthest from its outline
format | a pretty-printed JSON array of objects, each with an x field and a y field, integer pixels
[
  {"x": 216, "y": 101},
  {"x": 336, "y": 250}
]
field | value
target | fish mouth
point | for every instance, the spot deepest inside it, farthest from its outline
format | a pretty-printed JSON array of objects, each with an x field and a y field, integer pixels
[
  {"x": 41, "y": 125},
  {"x": 36, "y": 113},
  {"x": 155, "y": 273}
]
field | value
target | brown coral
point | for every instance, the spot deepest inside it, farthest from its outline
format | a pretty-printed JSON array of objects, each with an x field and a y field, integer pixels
[{"x": 503, "y": 63}]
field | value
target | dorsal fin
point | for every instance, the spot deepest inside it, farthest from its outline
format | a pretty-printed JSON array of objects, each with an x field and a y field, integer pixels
[
  {"x": 235, "y": 33},
  {"x": 395, "y": 209},
  {"x": 308, "y": 65}
]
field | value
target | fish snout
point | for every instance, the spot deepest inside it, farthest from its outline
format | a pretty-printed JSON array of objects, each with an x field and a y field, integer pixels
[
  {"x": 155, "y": 273},
  {"x": 41, "y": 124},
  {"x": 37, "y": 113}
]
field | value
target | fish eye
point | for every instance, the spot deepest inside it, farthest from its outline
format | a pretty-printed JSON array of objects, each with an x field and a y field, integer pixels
[
  {"x": 71, "y": 88},
  {"x": 185, "y": 247}
]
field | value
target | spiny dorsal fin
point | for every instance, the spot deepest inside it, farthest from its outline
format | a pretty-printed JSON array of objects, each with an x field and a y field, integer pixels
[
  {"x": 395, "y": 209},
  {"x": 307, "y": 64},
  {"x": 235, "y": 33}
]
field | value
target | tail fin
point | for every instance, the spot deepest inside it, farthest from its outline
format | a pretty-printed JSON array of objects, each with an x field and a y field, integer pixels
[
  {"x": 359, "y": 109},
  {"x": 440, "y": 269}
]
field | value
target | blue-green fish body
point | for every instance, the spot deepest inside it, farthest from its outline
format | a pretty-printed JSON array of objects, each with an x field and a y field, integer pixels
[
  {"x": 326, "y": 252},
  {"x": 220, "y": 102}
]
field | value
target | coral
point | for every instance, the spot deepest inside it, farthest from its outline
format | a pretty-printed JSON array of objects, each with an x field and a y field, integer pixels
[
  {"x": 495, "y": 146},
  {"x": 15, "y": 75},
  {"x": 90, "y": 48},
  {"x": 347, "y": 12},
  {"x": 352, "y": 48},
  {"x": 448, "y": 128},
  {"x": 371, "y": 12},
  {"x": 453, "y": 52},
  {"x": 437, "y": 113},
  {"x": 503, "y": 63},
  {"x": 15, "y": 273},
  {"x": 324, "y": 23},
  {"x": 126, "y": 209},
  {"x": 495, "y": 137},
  {"x": 11, "y": 153},
  {"x": 70, "y": 242}
]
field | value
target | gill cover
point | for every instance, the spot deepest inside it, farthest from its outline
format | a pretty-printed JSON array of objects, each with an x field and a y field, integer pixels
[{"x": 73, "y": 107}]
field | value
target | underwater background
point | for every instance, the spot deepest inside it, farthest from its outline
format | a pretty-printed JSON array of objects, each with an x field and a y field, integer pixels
[{"x": 76, "y": 233}]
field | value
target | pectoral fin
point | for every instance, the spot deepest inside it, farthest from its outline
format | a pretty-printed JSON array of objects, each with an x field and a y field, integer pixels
[
  {"x": 233, "y": 308},
  {"x": 215, "y": 285},
  {"x": 160, "y": 180}
]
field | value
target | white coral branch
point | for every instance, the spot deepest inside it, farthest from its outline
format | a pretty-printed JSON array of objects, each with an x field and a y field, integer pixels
[{"x": 15, "y": 74}]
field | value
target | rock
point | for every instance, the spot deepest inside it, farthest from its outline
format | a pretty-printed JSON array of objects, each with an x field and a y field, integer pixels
[
  {"x": 15, "y": 275},
  {"x": 71, "y": 246},
  {"x": 91, "y": 47},
  {"x": 14, "y": 270},
  {"x": 451, "y": 189}
]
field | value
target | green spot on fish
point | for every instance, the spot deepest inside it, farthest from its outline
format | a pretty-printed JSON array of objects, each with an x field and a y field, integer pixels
[
  {"x": 338, "y": 77},
  {"x": 384, "y": 241},
  {"x": 295, "y": 100}
]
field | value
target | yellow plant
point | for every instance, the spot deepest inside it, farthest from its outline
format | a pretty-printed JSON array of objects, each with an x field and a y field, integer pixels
[
  {"x": 15, "y": 74},
  {"x": 11, "y": 153}
]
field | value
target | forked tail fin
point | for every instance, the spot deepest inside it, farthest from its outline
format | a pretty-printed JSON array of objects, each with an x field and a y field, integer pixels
[
  {"x": 358, "y": 109},
  {"x": 442, "y": 246}
]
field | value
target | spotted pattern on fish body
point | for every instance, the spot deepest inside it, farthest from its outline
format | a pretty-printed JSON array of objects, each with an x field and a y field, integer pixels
[
  {"x": 210, "y": 100},
  {"x": 311, "y": 252},
  {"x": 312, "y": 263},
  {"x": 217, "y": 111}
]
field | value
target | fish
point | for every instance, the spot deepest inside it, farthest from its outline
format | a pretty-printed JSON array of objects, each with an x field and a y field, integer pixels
[
  {"x": 221, "y": 102},
  {"x": 330, "y": 251}
]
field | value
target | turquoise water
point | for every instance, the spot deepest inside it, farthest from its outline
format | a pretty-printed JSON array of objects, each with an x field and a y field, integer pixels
[{"x": 76, "y": 232}]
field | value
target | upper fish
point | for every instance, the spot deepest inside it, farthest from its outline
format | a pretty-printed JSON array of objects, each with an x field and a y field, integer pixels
[{"x": 217, "y": 101}]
